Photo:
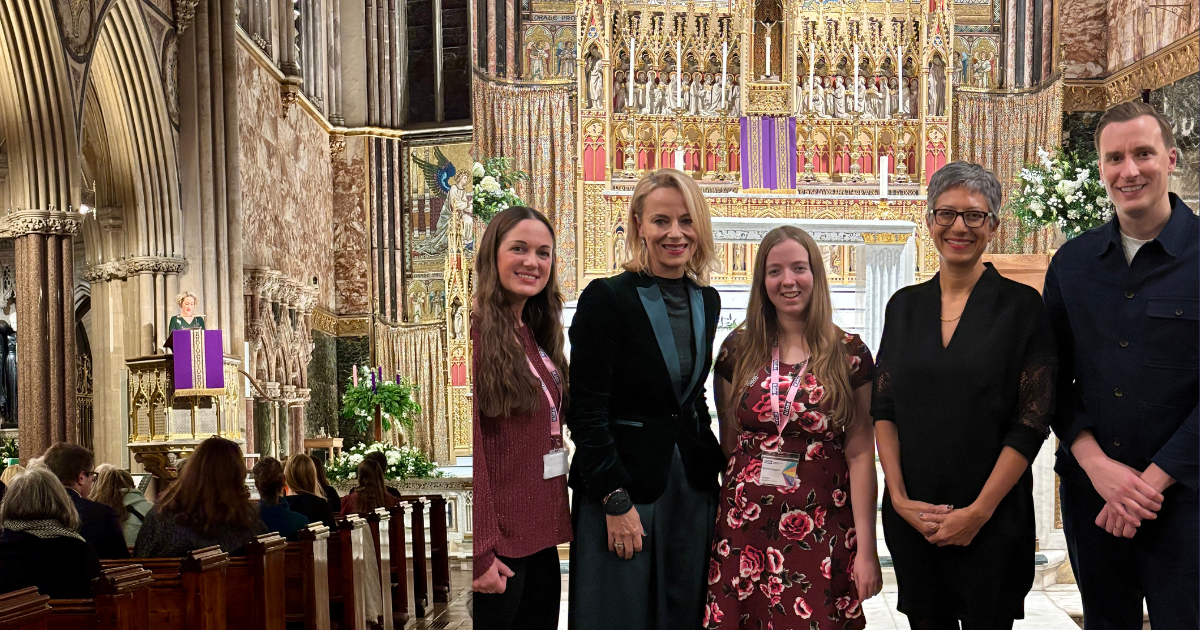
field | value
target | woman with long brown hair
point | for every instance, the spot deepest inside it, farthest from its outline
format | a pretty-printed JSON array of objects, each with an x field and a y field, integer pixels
[
  {"x": 521, "y": 511},
  {"x": 646, "y": 460},
  {"x": 207, "y": 505},
  {"x": 793, "y": 398},
  {"x": 306, "y": 494},
  {"x": 371, "y": 492}
]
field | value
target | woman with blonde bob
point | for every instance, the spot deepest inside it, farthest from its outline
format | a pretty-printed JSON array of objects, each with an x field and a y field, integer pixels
[
  {"x": 793, "y": 396},
  {"x": 646, "y": 460}
]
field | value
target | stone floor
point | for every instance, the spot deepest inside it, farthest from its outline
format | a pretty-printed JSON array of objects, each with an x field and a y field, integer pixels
[{"x": 451, "y": 615}]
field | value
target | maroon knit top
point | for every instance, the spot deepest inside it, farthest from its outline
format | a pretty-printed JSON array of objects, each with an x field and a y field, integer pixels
[{"x": 517, "y": 513}]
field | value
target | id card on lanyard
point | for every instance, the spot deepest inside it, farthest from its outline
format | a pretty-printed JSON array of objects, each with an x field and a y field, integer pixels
[
  {"x": 780, "y": 469},
  {"x": 554, "y": 463}
]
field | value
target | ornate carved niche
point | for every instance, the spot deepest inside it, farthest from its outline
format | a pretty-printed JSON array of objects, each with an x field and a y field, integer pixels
[{"x": 279, "y": 329}]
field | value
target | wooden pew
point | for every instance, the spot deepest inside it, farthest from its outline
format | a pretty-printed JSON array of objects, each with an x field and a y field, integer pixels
[
  {"x": 399, "y": 572},
  {"x": 306, "y": 578},
  {"x": 347, "y": 567},
  {"x": 187, "y": 592},
  {"x": 120, "y": 601},
  {"x": 254, "y": 587},
  {"x": 420, "y": 581},
  {"x": 381, "y": 522},
  {"x": 25, "y": 609},
  {"x": 439, "y": 548}
]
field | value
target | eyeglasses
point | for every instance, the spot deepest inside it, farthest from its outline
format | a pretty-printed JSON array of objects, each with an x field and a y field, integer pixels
[
  {"x": 972, "y": 218},
  {"x": 93, "y": 474}
]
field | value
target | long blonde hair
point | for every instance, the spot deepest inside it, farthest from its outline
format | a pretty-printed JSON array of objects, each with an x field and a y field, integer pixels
[
  {"x": 756, "y": 335},
  {"x": 704, "y": 260},
  {"x": 111, "y": 485},
  {"x": 301, "y": 475}
]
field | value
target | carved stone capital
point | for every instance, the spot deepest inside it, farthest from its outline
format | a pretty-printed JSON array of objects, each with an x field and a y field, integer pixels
[
  {"x": 185, "y": 11},
  {"x": 289, "y": 94},
  {"x": 23, "y": 222},
  {"x": 121, "y": 269},
  {"x": 337, "y": 145}
]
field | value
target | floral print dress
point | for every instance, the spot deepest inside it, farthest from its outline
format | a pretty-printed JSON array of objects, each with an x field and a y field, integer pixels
[{"x": 782, "y": 556}]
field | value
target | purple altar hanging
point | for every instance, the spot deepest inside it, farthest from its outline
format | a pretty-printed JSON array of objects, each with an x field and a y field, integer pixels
[{"x": 768, "y": 153}]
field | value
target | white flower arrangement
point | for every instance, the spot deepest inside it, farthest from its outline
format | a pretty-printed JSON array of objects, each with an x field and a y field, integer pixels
[
  {"x": 1062, "y": 189},
  {"x": 404, "y": 462},
  {"x": 493, "y": 191}
]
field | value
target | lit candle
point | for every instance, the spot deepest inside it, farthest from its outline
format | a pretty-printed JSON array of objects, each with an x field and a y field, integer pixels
[
  {"x": 856, "y": 77},
  {"x": 724, "y": 70},
  {"x": 632, "y": 76},
  {"x": 812, "y": 48},
  {"x": 355, "y": 377},
  {"x": 768, "y": 51},
  {"x": 883, "y": 176},
  {"x": 900, "y": 83},
  {"x": 678, "y": 70}
]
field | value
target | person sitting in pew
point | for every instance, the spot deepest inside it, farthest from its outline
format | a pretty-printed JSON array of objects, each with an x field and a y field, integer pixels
[
  {"x": 272, "y": 509},
  {"x": 74, "y": 466},
  {"x": 381, "y": 459},
  {"x": 371, "y": 493},
  {"x": 40, "y": 545},
  {"x": 307, "y": 497},
  {"x": 208, "y": 504},
  {"x": 331, "y": 494},
  {"x": 114, "y": 487}
]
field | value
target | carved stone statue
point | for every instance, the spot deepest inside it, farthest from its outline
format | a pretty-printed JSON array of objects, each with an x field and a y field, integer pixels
[
  {"x": 936, "y": 105},
  {"x": 818, "y": 99},
  {"x": 595, "y": 84}
]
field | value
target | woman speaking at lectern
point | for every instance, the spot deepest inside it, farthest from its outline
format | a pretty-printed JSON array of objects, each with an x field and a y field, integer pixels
[{"x": 646, "y": 460}]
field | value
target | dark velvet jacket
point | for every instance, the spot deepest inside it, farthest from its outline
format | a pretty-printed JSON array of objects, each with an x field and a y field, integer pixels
[{"x": 626, "y": 414}]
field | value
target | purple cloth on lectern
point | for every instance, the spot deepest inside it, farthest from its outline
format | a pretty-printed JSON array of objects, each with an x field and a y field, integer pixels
[{"x": 214, "y": 362}]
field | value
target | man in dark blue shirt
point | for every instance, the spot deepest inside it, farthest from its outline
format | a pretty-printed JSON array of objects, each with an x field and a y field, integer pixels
[{"x": 1124, "y": 302}]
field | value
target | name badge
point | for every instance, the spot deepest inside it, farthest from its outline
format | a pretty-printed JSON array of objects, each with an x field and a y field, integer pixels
[
  {"x": 779, "y": 469},
  {"x": 554, "y": 464}
]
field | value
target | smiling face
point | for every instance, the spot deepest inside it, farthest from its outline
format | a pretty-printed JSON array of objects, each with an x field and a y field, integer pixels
[
  {"x": 958, "y": 244},
  {"x": 524, "y": 259},
  {"x": 669, "y": 232},
  {"x": 789, "y": 279},
  {"x": 1135, "y": 166},
  {"x": 188, "y": 306}
]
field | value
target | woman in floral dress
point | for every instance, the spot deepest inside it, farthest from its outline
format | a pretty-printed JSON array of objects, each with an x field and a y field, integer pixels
[{"x": 795, "y": 535}]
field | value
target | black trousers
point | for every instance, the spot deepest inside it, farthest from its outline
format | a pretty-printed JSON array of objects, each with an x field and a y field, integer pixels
[
  {"x": 530, "y": 600},
  {"x": 1161, "y": 563}
]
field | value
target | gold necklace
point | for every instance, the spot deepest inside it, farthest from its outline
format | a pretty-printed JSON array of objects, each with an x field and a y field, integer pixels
[{"x": 953, "y": 319}]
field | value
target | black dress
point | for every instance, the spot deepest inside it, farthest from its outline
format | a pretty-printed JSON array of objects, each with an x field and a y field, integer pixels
[
  {"x": 313, "y": 507},
  {"x": 955, "y": 409}
]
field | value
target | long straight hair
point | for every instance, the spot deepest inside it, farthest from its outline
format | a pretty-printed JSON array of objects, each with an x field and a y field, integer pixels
[
  {"x": 504, "y": 385},
  {"x": 371, "y": 492},
  {"x": 704, "y": 260},
  {"x": 756, "y": 335},
  {"x": 210, "y": 495},
  {"x": 301, "y": 475},
  {"x": 111, "y": 485}
]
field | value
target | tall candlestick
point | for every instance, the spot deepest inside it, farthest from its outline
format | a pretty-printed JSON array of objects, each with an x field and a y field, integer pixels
[
  {"x": 900, "y": 83},
  {"x": 856, "y": 78},
  {"x": 724, "y": 70},
  {"x": 355, "y": 376},
  {"x": 768, "y": 51},
  {"x": 812, "y": 47},
  {"x": 629, "y": 102},
  {"x": 883, "y": 176},
  {"x": 678, "y": 71}
]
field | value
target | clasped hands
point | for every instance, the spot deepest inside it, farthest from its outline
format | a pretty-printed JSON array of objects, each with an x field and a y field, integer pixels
[
  {"x": 1129, "y": 497},
  {"x": 942, "y": 525}
]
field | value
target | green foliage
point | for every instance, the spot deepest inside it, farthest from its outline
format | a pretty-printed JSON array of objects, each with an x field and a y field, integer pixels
[
  {"x": 493, "y": 181},
  {"x": 403, "y": 463},
  {"x": 1061, "y": 188},
  {"x": 395, "y": 400}
]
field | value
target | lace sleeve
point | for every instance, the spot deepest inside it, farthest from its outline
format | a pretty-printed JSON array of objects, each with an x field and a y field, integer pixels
[
  {"x": 1035, "y": 406},
  {"x": 883, "y": 405}
]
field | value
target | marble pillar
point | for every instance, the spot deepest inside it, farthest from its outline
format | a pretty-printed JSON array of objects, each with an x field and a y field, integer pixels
[
  {"x": 46, "y": 373},
  {"x": 882, "y": 270}
]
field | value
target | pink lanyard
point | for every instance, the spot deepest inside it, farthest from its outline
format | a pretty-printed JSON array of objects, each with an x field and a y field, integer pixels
[
  {"x": 792, "y": 390},
  {"x": 555, "y": 426}
]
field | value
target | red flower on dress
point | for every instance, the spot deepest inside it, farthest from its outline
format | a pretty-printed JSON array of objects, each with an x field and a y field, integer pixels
[
  {"x": 814, "y": 421},
  {"x": 714, "y": 571},
  {"x": 751, "y": 563},
  {"x": 729, "y": 468},
  {"x": 816, "y": 450},
  {"x": 774, "y": 560},
  {"x": 802, "y": 609},
  {"x": 713, "y": 614},
  {"x": 810, "y": 381},
  {"x": 851, "y": 539},
  {"x": 839, "y": 497},
  {"x": 854, "y": 363},
  {"x": 816, "y": 394},
  {"x": 734, "y": 519},
  {"x": 819, "y": 516},
  {"x": 744, "y": 588},
  {"x": 843, "y": 602},
  {"x": 772, "y": 444},
  {"x": 855, "y": 610},
  {"x": 795, "y": 525},
  {"x": 850, "y": 564},
  {"x": 723, "y": 547},
  {"x": 773, "y": 586},
  {"x": 751, "y": 473},
  {"x": 826, "y": 568},
  {"x": 763, "y": 409},
  {"x": 752, "y": 512}
]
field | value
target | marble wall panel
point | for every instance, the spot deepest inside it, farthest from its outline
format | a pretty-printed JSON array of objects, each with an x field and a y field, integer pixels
[
  {"x": 321, "y": 413},
  {"x": 351, "y": 351},
  {"x": 1179, "y": 102},
  {"x": 351, "y": 242},
  {"x": 1079, "y": 129},
  {"x": 286, "y": 177},
  {"x": 1136, "y": 29},
  {"x": 1083, "y": 31}
]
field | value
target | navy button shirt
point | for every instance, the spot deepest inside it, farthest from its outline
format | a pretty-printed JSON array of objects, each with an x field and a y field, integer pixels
[{"x": 1128, "y": 339}]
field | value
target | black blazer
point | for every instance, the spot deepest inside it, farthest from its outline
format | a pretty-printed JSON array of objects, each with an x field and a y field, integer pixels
[
  {"x": 62, "y": 568},
  {"x": 626, "y": 415},
  {"x": 100, "y": 525},
  {"x": 313, "y": 507}
]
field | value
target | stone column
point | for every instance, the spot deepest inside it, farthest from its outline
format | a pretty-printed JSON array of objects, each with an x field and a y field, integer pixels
[
  {"x": 46, "y": 374},
  {"x": 881, "y": 272}
]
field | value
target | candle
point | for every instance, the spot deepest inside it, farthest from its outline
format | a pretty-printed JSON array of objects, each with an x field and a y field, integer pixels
[
  {"x": 679, "y": 159},
  {"x": 355, "y": 378},
  {"x": 900, "y": 83},
  {"x": 632, "y": 76},
  {"x": 678, "y": 70},
  {"x": 811, "y": 68},
  {"x": 883, "y": 176},
  {"x": 768, "y": 51},
  {"x": 856, "y": 77},
  {"x": 724, "y": 70},
  {"x": 397, "y": 378}
]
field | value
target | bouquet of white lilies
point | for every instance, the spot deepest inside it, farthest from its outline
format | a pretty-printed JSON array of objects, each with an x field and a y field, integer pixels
[
  {"x": 493, "y": 181},
  {"x": 1063, "y": 189}
]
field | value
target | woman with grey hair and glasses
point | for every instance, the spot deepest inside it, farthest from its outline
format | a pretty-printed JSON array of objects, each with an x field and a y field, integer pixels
[{"x": 962, "y": 400}]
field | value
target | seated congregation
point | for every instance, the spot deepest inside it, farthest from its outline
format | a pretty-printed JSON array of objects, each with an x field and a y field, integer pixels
[{"x": 81, "y": 544}]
